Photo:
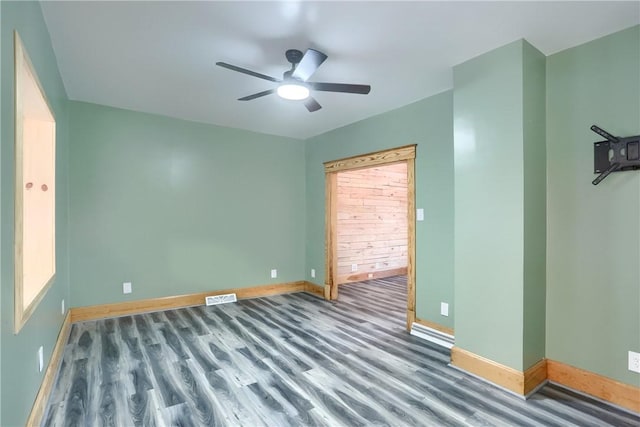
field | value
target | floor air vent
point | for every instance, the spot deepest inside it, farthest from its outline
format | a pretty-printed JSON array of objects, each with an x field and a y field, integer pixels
[
  {"x": 430, "y": 334},
  {"x": 220, "y": 299}
]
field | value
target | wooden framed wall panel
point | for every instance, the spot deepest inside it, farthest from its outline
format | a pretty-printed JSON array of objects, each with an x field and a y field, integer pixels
[
  {"x": 34, "y": 245},
  {"x": 371, "y": 222}
]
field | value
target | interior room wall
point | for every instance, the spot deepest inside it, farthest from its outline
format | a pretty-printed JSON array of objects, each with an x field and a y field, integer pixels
[
  {"x": 593, "y": 235},
  {"x": 499, "y": 136},
  {"x": 429, "y": 124},
  {"x": 178, "y": 207},
  {"x": 371, "y": 224},
  {"x": 20, "y": 378},
  {"x": 1, "y": 244},
  {"x": 535, "y": 206},
  {"x": 489, "y": 210}
]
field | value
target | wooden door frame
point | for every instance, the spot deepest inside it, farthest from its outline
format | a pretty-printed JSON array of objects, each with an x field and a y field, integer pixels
[{"x": 406, "y": 154}]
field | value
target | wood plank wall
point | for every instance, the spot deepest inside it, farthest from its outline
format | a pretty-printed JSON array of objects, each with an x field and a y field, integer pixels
[{"x": 372, "y": 222}]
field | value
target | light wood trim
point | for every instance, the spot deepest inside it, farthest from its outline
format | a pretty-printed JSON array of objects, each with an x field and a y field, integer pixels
[
  {"x": 392, "y": 155},
  {"x": 314, "y": 289},
  {"x": 20, "y": 315},
  {"x": 405, "y": 153},
  {"x": 624, "y": 395},
  {"x": 94, "y": 312},
  {"x": 331, "y": 244},
  {"x": 411, "y": 318},
  {"x": 401, "y": 271},
  {"x": 327, "y": 292},
  {"x": 25, "y": 57},
  {"x": 436, "y": 326},
  {"x": 40, "y": 404},
  {"x": 411, "y": 241},
  {"x": 511, "y": 379},
  {"x": 534, "y": 376},
  {"x": 21, "y": 312},
  {"x": 494, "y": 372}
]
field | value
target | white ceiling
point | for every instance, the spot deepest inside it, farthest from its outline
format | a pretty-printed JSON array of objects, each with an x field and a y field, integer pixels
[{"x": 159, "y": 57}]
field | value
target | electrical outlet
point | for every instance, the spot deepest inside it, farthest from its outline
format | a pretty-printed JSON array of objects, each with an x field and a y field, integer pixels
[
  {"x": 370, "y": 275},
  {"x": 62, "y": 307},
  {"x": 377, "y": 265},
  {"x": 313, "y": 273},
  {"x": 40, "y": 359},
  {"x": 274, "y": 273},
  {"x": 444, "y": 309},
  {"x": 634, "y": 361},
  {"x": 354, "y": 267},
  {"x": 126, "y": 288}
]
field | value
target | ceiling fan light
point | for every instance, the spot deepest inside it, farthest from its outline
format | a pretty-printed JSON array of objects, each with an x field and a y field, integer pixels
[{"x": 293, "y": 92}]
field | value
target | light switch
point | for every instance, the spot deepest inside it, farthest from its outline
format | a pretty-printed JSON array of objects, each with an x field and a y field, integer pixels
[
  {"x": 420, "y": 214},
  {"x": 444, "y": 309},
  {"x": 40, "y": 359}
]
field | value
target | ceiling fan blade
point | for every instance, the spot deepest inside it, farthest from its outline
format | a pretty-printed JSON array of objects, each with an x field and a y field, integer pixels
[
  {"x": 257, "y": 95},
  {"x": 340, "y": 87},
  {"x": 312, "y": 105},
  {"x": 245, "y": 71},
  {"x": 308, "y": 65}
]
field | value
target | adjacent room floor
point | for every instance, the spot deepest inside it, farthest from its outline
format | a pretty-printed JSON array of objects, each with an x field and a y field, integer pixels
[{"x": 288, "y": 360}]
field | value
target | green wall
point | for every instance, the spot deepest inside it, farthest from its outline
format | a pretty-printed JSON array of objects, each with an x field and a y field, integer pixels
[
  {"x": 535, "y": 204},
  {"x": 178, "y": 207},
  {"x": 500, "y": 215},
  {"x": 20, "y": 377},
  {"x": 593, "y": 275},
  {"x": 488, "y": 129},
  {"x": 427, "y": 123},
  {"x": 2, "y": 101}
]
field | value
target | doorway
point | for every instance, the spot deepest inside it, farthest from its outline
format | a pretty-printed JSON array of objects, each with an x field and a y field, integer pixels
[{"x": 404, "y": 155}]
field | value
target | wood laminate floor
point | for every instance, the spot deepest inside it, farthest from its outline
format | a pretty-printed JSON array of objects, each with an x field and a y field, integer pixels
[{"x": 288, "y": 360}]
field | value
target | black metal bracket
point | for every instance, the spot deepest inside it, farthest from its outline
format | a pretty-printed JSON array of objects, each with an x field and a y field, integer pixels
[{"x": 616, "y": 154}]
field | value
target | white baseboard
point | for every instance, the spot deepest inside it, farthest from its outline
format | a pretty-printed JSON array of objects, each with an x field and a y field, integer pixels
[{"x": 432, "y": 335}]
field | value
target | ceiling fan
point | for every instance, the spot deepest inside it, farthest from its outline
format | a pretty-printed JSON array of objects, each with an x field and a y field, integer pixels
[{"x": 294, "y": 84}]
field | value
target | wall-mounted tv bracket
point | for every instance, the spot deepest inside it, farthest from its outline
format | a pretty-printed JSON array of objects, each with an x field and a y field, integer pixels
[{"x": 615, "y": 154}]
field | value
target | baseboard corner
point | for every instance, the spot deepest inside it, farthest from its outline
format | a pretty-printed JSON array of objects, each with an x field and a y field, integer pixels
[
  {"x": 314, "y": 289},
  {"x": 518, "y": 382},
  {"x": 534, "y": 377}
]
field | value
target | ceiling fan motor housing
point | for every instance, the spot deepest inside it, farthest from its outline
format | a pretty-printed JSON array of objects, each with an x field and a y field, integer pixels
[{"x": 294, "y": 56}]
